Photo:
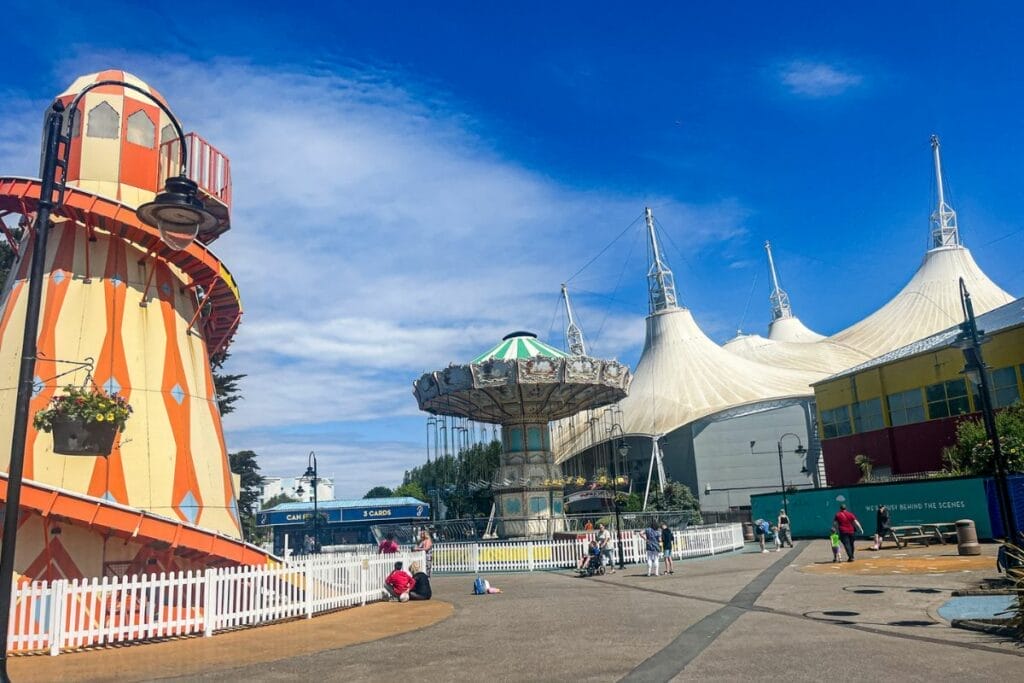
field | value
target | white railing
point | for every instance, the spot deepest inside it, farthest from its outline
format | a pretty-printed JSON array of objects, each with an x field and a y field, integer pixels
[
  {"x": 60, "y": 615},
  {"x": 546, "y": 554}
]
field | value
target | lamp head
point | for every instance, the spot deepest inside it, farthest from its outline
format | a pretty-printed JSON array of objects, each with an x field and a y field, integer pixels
[
  {"x": 310, "y": 473},
  {"x": 299, "y": 491},
  {"x": 623, "y": 449},
  {"x": 800, "y": 450},
  {"x": 177, "y": 213},
  {"x": 707, "y": 489}
]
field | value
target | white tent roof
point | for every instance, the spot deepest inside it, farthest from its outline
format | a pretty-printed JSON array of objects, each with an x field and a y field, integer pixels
[
  {"x": 682, "y": 376},
  {"x": 792, "y": 330},
  {"x": 928, "y": 303},
  {"x": 824, "y": 357}
]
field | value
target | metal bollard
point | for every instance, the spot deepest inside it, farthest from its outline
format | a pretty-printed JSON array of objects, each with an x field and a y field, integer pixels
[{"x": 967, "y": 538}]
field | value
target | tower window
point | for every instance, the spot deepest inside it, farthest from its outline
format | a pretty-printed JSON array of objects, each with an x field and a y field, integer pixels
[
  {"x": 103, "y": 122},
  {"x": 141, "y": 130}
]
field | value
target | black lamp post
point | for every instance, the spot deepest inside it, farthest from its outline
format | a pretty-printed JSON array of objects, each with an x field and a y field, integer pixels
[
  {"x": 800, "y": 450},
  {"x": 311, "y": 476},
  {"x": 179, "y": 210},
  {"x": 623, "y": 449},
  {"x": 969, "y": 341}
]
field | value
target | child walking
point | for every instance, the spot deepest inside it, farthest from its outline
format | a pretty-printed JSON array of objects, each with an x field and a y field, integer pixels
[{"x": 834, "y": 539}]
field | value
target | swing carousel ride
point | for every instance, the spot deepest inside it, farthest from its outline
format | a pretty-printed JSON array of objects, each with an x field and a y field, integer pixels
[{"x": 522, "y": 384}]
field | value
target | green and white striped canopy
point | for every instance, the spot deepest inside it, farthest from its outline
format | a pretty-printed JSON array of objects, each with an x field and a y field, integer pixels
[{"x": 520, "y": 345}]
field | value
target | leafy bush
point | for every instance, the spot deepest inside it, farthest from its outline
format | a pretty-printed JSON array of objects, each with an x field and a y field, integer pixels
[{"x": 972, "y": 454}]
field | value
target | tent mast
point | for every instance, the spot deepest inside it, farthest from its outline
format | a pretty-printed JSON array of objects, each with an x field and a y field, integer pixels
[
  {"x": 944, "y": 229},
  {"x": 573, "y": 334},
  {"x": 661, "y": 286},
  {"x": 778, "y": 299}
]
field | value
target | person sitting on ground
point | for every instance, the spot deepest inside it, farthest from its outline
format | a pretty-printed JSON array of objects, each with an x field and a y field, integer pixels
[
  {"x": 421, "y": 589},
  {"x": 398, "y": 583},
  {"x": 388, "y": 546},
  {"x": 592, "y": 551}
]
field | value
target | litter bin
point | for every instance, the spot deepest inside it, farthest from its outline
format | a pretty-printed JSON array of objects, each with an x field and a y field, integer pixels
[
  {"x": 748, "y": 531},
  {"x": 967, "y": 538}
]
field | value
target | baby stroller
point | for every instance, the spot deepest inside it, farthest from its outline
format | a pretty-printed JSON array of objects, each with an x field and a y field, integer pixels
[{"x": 594, "y": 566}]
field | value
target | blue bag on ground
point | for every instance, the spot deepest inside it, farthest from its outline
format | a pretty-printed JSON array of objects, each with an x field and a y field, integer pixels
[{"x": 479, "y": 587}]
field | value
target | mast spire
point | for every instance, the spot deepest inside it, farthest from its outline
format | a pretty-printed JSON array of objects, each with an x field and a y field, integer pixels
[
  {"x": 573, "y": 334},
  {"x": 778, "y": 299},
  {"x": 944, "y": 231},
  {"x": 661, "y": 284}
]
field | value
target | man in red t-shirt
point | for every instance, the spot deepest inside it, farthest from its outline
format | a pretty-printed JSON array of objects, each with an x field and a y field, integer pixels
[
  {"x": 399, "y": 583},
  {"x": 845, "y": 521}
]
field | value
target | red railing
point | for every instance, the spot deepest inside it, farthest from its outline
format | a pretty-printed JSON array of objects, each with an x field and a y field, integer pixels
[{"x": 207, "y": 166}]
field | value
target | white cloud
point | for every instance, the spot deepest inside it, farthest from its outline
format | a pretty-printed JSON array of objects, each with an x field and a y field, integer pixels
[
  {"x": 377, "y": 233},
  {"x": 818, "y": 79}
]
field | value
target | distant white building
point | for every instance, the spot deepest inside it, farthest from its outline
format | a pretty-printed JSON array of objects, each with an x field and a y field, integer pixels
[{"x": 275, "y": 486}]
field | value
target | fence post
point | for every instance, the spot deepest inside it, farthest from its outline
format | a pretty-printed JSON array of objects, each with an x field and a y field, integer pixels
[
  {"x": 364, "y": 570},
  {"x": 58, "y": 612},
  {"x": 475, "y": 560},
  {"x": 529, "y": 556},
  {"x": 307, "y": 576},
  {"x": 209, "y": 600}
]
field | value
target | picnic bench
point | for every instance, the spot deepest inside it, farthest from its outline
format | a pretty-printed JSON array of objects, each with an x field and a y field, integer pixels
[
  {"x": 902, "y": 535},
  {"x": 943, "y": 532}
]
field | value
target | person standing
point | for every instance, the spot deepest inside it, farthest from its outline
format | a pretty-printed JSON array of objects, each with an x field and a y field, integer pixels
[
  {"x": 426, "y": 544},
  {"x": 652, "y": 537},
  {"x": 388, "y": 546},
  {"x": 845, "y": 522},
  {"x": 666, "y": 547},
  {"x": 785, "y": 537},
  {"x": 761, "y": 528},
  {"x": 604, "y": 542},
  {"x": 589, "y": 526},
  {"x": 881, "y": 526}
]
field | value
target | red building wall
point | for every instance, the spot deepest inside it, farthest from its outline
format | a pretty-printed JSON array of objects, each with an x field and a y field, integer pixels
[{"x": 905, "y": 450}]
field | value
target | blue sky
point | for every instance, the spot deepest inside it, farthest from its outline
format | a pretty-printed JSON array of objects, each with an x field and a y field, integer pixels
[{"x": 411, "y": 182}]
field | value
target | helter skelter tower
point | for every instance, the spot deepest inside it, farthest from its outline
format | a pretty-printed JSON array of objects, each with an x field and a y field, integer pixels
[
  {"x": 523, "y": 384},
  {"x": 146, "y": 319}
]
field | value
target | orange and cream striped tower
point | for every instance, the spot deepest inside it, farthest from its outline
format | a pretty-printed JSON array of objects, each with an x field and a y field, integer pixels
[{"x": 148, "y": 318}]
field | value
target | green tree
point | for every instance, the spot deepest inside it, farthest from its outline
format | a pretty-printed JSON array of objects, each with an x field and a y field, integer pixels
[
  {"x": 279, "y": 499},
  {"x": 411, "y": 489},
  {"x": 244, "y": 463},
  {"x": 379, "y": 492},
  {"x": 677, "y": 496},
  {"x": 225, "y": 385},
  {"x": 460, "y": 482},
  {"x": 7, "y": 256},
  {"x": 972, "y": 454}
]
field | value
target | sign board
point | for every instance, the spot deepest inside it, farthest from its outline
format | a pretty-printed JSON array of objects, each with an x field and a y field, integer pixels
[
  {"x": 927, "y": 501},
  {"x": 374, "y": 513}
]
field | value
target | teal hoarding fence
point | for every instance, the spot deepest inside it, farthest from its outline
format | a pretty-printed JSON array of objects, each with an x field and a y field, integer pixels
[{"x": 914, "y": 502}]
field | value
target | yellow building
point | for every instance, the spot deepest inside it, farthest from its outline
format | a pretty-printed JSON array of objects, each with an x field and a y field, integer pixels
[{"x": 902, "y": 408}]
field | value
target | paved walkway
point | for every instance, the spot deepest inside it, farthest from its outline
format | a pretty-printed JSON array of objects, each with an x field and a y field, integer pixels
[{"x": 744, "y": 616}]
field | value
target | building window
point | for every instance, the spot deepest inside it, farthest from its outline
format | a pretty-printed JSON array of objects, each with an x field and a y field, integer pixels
[
  {"x": 533, "y": 440},
  {"x": 538, "y": 504},
  {"x": 836, "y": 422},
  {"x": 515, "y": 440},
  {"x": 947, "y": 399},
  {"x": 906, "y": 408},
  {"x": 141, "y": 130},
  {"x": 167, "y": 133},
  {"x": 867, "y": 415},
  {"x": 103, "y": 122},
  {"x": 1004, "y": 387}
]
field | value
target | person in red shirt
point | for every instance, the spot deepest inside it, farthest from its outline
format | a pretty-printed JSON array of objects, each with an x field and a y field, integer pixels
[
  {"x": 845, "y": 522},
  {"x": 399, "y": 583},
  {"x": 388, "y": 545}
]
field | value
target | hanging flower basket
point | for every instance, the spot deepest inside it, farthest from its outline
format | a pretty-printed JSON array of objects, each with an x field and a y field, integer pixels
[
  {"x": 76, "y": 437},
  {"x": 84, "y": 421}
]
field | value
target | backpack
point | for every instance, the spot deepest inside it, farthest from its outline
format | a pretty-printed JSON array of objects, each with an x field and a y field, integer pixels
[{"x": 479, "y": 586}]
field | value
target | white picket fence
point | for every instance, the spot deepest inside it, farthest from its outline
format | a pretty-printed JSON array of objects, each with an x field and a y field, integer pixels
[
  {"x": 62, "y": 615},
  {"x": 532, "y": 555}
]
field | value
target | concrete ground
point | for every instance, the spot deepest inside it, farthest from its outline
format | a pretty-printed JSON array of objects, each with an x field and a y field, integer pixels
[{"x": 737, "y": 617}]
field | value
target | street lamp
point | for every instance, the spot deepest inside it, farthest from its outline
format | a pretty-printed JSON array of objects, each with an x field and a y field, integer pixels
[
  {"x": 178, "y": 211},
  {"x": 969, "y": 341},
  {"x": 311, "y": 476},
  {"x": 623, "y": 449},
  {"x": 800, "y": 450}
]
